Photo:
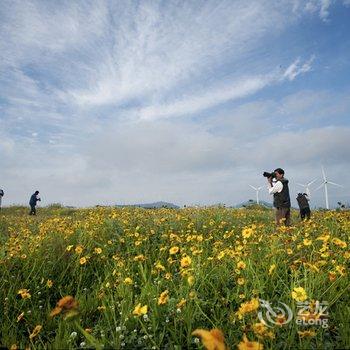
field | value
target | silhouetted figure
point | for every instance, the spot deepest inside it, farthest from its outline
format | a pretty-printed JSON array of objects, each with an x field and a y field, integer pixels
[
  {"x": 1, "y": 195},
  {"x": 281, "y": 199},
  {"x": 303, "y": 202},
  {"x": 32, "y": 202}
]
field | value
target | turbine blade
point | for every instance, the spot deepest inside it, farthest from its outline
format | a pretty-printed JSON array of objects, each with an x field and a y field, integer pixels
[
  {"x": 333, "y": 183},
  {"x": 324, "y": 175},
  {"x": 301, "y": 184},
  {"x": 319, "y": 187},
  {"x": 252, "y": 187},
  {"x": 310, "y": 183}
]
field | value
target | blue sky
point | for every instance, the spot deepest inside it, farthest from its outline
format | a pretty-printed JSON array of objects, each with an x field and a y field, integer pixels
[{"x": 137, "y": 101}]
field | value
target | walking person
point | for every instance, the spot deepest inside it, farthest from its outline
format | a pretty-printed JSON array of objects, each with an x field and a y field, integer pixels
[
  {"x": 281, "y": 199},
  {"x": 32, "y": 202},
  {"x": 304, "y": 207},
  {"x": 1, "y": 195}
]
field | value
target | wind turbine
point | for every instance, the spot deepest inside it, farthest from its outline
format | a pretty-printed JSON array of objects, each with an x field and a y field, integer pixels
[
  {"x": 325, "y": 183},
  {"x": 307, "y": 187},
  {"x": 257, "y": 189}
]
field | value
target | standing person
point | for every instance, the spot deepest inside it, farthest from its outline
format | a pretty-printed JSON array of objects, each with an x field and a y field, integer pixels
[
  {"x": 1, "y": 195},
  {"x": 304, "y": 207},
  {"x": 32, "y": 202},
  {"x": 281, "y": 199}
]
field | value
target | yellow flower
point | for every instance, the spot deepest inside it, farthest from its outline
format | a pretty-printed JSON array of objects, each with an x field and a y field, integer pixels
[
  {"x": 289, "y": 251},
  {"x": 299, "y": 294},
  {"x": 163, "y": 298},
  {"x": 128, "y": 280},
  {"x": 339, "y": 242},
  {"x": 83, "y": 260},
  {"x": 341, "y": 270},
  {"x": 241, "y": 281},
  {"x": 212, "y": 340},
  {"x": 241, "y": 265},
  {"x": 36, "y": 331},
  {"x": 69, "y": 248},
  {"x": 272, "y": 269},
  {"x": 159, "y": 266},
  {"x": 140, "y": 310},
  {"x": 24, "y": 293},
  {"x": 307, "y": 242},
  {"x": 332, "y": 276},
  {"x": 248, "y": 307},
  {"x": 174, "y": 250},
  {"x": 168, "y": 276},
  {"x": 308, "y": 333},
  {"x": 140, "y": 257},
  {"x": 181, "y": 303},
  {"x": 261, "y": 330},
  {"x": 79, "y": 249},
  {"x": 247, "y": 232},
  {"x": 186, "y": 261},
  {"x": 49, "y": 283},
  {"x": 249, "y": 345},
  {"x": 98, "y": 250},
  {"x": 67, "y": 305}
]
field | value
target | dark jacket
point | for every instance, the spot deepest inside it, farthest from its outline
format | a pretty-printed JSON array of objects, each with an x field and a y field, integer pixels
[
  {"x": 303, "y": 202},
  {"x": 33, "y": 199},
  {"x": 282, "y": 199}
]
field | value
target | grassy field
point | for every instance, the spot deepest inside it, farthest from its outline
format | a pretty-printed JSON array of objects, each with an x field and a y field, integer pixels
[{"x": 147, "y": 279}]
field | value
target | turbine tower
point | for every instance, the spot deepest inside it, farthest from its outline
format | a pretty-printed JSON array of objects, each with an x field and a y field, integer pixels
[
  {"x": 307, "y": 187},
  {"x": 325, "y": 184},
  {"x": 257, "y": 189}
]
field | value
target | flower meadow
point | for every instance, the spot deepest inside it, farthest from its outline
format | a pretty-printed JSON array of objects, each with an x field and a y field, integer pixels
[{"x": 192, "y": 278}]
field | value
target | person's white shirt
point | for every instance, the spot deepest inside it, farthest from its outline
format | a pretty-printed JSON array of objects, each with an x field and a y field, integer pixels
[{"x": 277, "y": 187}]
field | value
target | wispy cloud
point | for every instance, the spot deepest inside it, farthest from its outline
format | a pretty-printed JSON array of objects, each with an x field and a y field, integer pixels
[{"x": 92, "y": 83}]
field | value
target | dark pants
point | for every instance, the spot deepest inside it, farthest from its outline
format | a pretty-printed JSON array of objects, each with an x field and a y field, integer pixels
[
  {"x": 283, "y": 216},
  {"x": 305, "y": 213},
  {"x": 32, "y": 210}
]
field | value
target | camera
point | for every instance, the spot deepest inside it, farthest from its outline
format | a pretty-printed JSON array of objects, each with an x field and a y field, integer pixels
[{"x": 272, "y": 174}]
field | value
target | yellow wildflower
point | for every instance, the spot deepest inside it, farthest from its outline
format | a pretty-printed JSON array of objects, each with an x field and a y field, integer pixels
[
  {"x": 212, "y": 340},
  {"x": 308, "y": 333},
  {"x": 174, "y": 250},
  {"x": 67, "y": 305},
  {"x": 241, "y": 265},
  {"x": 49, "y": 283},
  {"x": 181, "y": 303},
  {"x": 69, "y": 248},
  {"x": 163, "y": 298},
  {"x": 249, "y": 345},
  {"x": 140, "y": 310},
  {"x": 299, "y": 294},
  {"x": 24, "y": 293},
  {"x": 128, "y": 280},
  {"x": 98, "y": 250},
  {"x": 307, "y": 242},
  {"x": 36, "y": 331},
  {"x": 186, "y": 261},
  {"x": 79, "y": 249},
  {"x": 248, "y": 307},
  {"x": 83, "y": 260}
]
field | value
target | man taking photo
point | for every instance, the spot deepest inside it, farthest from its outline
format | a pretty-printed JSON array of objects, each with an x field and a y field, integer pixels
[{"x": 281, "y": 200}]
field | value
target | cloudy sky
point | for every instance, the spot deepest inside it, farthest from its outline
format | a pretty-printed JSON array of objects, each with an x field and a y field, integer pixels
[{"x": 105, "y": 102}]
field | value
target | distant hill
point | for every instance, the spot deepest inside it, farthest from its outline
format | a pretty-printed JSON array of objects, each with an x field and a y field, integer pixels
[
  {"x": 154, "y": 205},
  {"x": 252, "y": 202}
]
